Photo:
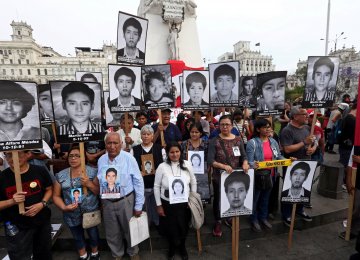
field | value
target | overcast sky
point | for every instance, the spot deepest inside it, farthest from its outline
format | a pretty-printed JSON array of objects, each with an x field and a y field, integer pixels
[{"x": 286, "y": 29}]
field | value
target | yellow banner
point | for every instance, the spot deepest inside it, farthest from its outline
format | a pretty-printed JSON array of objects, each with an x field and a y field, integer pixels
[{"x": 271, "y": 164}]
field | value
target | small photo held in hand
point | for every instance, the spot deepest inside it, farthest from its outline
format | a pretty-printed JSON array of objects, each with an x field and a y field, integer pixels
[{"x": 76, "y": 195}]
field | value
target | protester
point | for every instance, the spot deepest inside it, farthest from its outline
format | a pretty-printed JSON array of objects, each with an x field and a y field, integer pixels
[
  {"x": 260, "y": 148},
  {"x": 222, "y": 157},
  {"x": 67, "y": 180},
  {"x": 298, "y": 143},
  {"x": 141, "y": 119},
  {"x": 147, "y": 147},
  {"x": 133, "y": 137},
  {"x": 117, "y": 212},
  {"x": 174, "y": 218},
  {"x": 241, "y": 125},
  {"x": 28, "y": 235},
  {"x": 335, "y": 115},
  {"x": 205, "y": 124},
  {"x": 171, "y": 131}
]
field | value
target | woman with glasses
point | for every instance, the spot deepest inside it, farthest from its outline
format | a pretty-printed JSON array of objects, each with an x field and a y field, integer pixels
[
  {"x": 71, "y": 179},
  {"x": 262, "y": 148},
  {"x": 226, "y": 152}
]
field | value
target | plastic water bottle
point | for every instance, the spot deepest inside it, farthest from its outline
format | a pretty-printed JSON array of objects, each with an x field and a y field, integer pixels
[{"x": 11, "y": 230}]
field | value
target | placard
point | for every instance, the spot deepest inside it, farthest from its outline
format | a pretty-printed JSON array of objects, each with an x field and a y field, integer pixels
[
  {"x": 224, "y": 84},
  {"x": 271, "y": 93},
  {"x": 173, "y": 10},
  {"x": 88, "y": 76},
  {"x": 125, "y": 90},
  {"x": 77, "y": 111},
  {"x": 156, "y": 86},
  {"x": 109, "y": 177},
  {"x": 298, "y": 182},
  {"x": 321, "y": 79},
  {"x": 112, "y": 119},
  {"x": 131, "y": 39},
  {"x": 197, "y": 160},
  {"x": 178, "y": 190},
  {"x": 20, "y": 127},
  {"x": 248, "y": 92},
  {"x": 147, "y": 164},
  {"x": 196, "y": 90},
  {"x": 45, "y": 104},
  {"x": 236, "y": 196}
]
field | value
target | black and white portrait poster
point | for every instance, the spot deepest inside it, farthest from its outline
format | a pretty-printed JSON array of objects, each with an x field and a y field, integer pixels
[
  {"x": 125, "y": 88},
  {"x": 177, "y": 89},
  {"x": 112, "y": 119},
  {"x": 77, "y": 111},
  {"x": 45, "y": 104},
  {"x": 131, "y": 39},
  {"x": 110, "y": 182},
  {"x": 196, "y": 90},
  {"x": 19, "y": 116},
  {"x": 298, "y": 182},
  {"x": 203, "y": 187},
  {"x": 237, "y": 191},
  {"x": 157, "y": 86},
  {"x": 178, "y": 189},
  {"x": 147, "y": 164},
  {"x": 247, "y": 98},
  {"x": 224, "y": 84},
  {"x": 197, "y": 161},
  {"x": 271, "y": 93},
  {"x": 320, "y": 86},
  {"x": 88, "y": 76}
]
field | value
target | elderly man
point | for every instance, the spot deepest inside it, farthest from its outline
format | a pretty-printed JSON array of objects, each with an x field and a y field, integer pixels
[
  {"x": 297, "y": 142},
  {"x": 118, "y": 212},
  {"x": 30, "y": 235}
]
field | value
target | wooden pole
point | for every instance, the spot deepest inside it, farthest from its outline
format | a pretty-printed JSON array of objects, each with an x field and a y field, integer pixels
[
  {"x": 291, "y": 226},
  {"x": 235, "y": 238},
  {"x": 163, "y": 144},
  {"x": 351, "y": 205},
  {"x": 53, "y": 127},
  {"x": 83, "y": 166},
  {"x": 126, "y": 129},
  {"x": 198, "y": 236},
  {"x": 15, "y": 158}
]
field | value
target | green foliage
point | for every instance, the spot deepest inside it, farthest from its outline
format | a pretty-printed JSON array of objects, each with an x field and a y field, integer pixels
[{"x": 292, "y": 95}]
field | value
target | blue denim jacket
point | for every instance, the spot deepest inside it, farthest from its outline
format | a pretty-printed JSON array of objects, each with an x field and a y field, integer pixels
[{"x": 254, "y": 150}]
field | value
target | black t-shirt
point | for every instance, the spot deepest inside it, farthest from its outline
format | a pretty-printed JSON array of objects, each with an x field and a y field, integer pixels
[
  {"x": 347, "y": 132},
  {"x": 292, "y": 135},
  {"x": 157, "y": 156},
  {"x": 35, "y": 175}
]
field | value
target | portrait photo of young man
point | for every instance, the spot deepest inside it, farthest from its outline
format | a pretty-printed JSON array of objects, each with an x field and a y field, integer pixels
[
  {"x": 132, "y": 32},
  {"x": 87, "y": 76},
  {"x": 124, "y": 85},
  {"x": 19, "y": 112},
  {"x": 321, "y": 81},
  {"x": 247, "y": 96},
  {"x": 224, "y": 83}
]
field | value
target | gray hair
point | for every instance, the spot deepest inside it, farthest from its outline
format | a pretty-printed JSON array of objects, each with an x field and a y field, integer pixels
[
  {"x": 111, "y": 133},
  {"x": 147, "y": 129},
  {"x": 294, "y": 111}
]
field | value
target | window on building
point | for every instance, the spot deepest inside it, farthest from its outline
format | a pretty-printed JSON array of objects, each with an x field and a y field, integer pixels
[
  {"x": 11, "y": 61},
  {"x": 1, "y": 51},
  {"x": 19, "y": 33},
  {"x": 22, "y": 51},
  {"x": 27, "y": 62},
  {"x": 2, "y": 61},
  {"x": 12, "y": 72},
  {"x": 29, "y": 72},
  {"x": 38, "y": 70},
  {"x": 18, "y": 51},
  {"x": 20, "y": 72},
  {"x": 5, "y": 52},
  {"x": 19, "y": 61},
  {"x": 9, "y": 52},
  {"x": 26, "y": 51},
  {"x": 4, "y": 71},
  {"x": 45, "y": 70}
]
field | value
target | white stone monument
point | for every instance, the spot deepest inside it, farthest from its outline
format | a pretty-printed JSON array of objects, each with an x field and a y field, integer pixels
[{"x": 172, "y": 32}]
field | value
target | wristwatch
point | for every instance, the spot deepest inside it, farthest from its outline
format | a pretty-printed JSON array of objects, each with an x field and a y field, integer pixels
[{"x": 45, "y": 204}]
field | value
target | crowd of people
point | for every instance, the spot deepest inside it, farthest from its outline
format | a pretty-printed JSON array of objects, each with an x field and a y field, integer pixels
[{"x": 131, "y": 171}]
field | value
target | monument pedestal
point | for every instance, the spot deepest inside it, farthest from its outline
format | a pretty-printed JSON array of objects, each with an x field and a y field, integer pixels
[{"x": 331, "y": 180}]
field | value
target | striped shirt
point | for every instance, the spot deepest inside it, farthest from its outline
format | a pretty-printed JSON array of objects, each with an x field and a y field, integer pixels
[
  {"x": 69, "y": 128},
  {"x": 311, "y": 96}
]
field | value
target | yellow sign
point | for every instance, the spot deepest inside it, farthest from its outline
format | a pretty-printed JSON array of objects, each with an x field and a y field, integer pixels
[{"x": 271, "y": 164}]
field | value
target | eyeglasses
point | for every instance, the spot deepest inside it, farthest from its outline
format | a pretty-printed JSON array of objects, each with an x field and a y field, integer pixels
[
  {"x": 225, "y": 125},
  {"x": 74, "y": 156}
]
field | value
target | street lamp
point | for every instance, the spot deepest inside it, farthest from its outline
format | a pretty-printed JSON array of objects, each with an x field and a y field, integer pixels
[{"x": 336, "y": 39}]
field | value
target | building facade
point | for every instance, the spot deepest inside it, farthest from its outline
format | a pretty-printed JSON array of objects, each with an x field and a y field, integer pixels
[
  {"x": 23, "y": 59},
  {"x": 251, "y": 62}
]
